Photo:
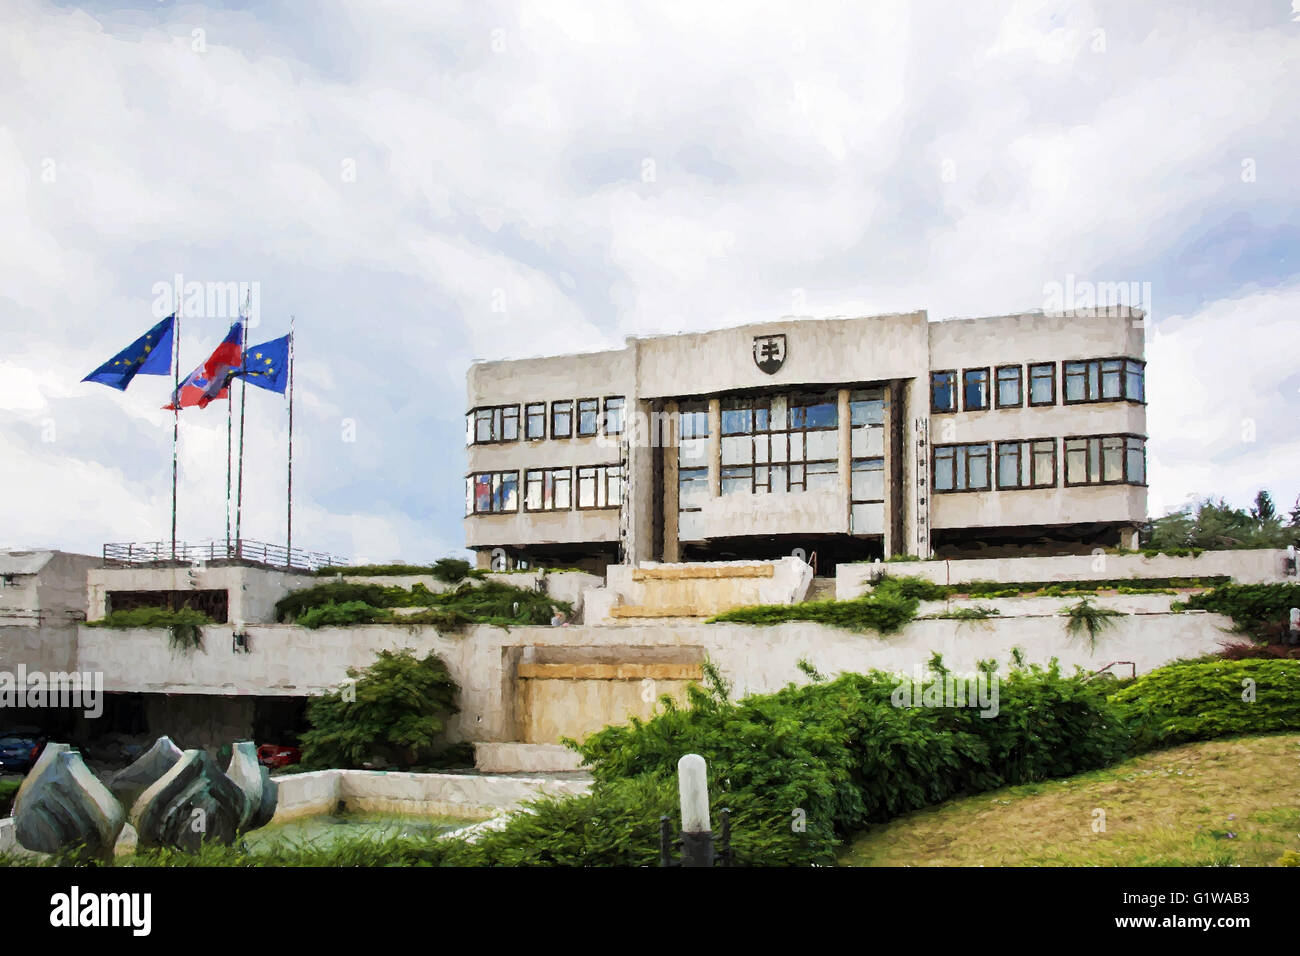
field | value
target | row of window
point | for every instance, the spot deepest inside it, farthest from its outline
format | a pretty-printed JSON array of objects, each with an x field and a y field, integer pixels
[
  {"x": 1011, "y": 386},
  {"x": 568, "y": 417},
  {"x": 544, "y": 489},
  {"x": 1032, "y": 463}
]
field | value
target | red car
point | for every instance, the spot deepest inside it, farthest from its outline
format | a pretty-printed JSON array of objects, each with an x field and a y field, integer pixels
[{"x": 274, "y": 756}]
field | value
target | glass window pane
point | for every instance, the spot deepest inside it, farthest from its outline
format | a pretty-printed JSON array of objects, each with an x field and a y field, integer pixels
[
  {"x": 944, "y": 476},
  {"x": 823, "y": 446},
  {"x": 868, "y": 480},
  {"x": 510, "y": 424},
  {"x": 563, "y": 490},
  {"x": 1136, "y": 472},
  {"x": 1112, "y": 379},
  {"x": 978, "y": 466},
  {"x": 1112, "y": 452},
  {"x": 533, "y": 490},
  {"x": 866, "y": 408},
  {"x": 737, "y": 450},
  {"x": 692, "y": 487},
  {"x": 613, "y": 416},
  {"x": 976, "y": 389},
  {"x": 1076, "y": 461},
  {"x": 943, "y": 396},
  {"x": 587, "y": 416},
  {"x": 510, "y": 491},
  {"x": 738, "y": 480},
  {"x": 483, "y": 492},
  {"x": 1134, "y": 387},
  {"x": 561, "y": 419},
  {"x": 1042, "y": 380},
  {"x": 1044, "y": 463},
  {"x": 1075, "y": 381},
  {"x": 1009, "y": 386},
  {"x": 1009, "y": 466}
]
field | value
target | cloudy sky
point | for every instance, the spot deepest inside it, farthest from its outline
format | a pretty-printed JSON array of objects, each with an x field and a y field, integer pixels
[{"x": 423, "y": 184}]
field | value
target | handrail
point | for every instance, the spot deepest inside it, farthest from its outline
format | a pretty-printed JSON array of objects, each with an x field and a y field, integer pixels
[{"x": 127, "y": 554}]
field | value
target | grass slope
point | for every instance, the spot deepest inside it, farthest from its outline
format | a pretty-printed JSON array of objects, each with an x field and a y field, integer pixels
[{"x": 1218, "y": 803}]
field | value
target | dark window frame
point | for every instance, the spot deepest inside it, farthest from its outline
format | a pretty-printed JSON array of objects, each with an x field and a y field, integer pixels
[
  {"x": 954, "y": 385},
  {"x": 988, "y": 397},
  {"x": 600, "y": 487},
  {"x": 1021, "y": 445},
  {"x": 997, "y": 386},
  {"x": 527, "y": 415},
  {"x": 1029, "y": 383},
  {"x": 1124, "y": 362},
  {"x": 1125, "y": 479},
  {"x": 544, "y": 474},
  {"x": 496, "y": 423},
  {"x": 577, "y": 418},
  {"x": 604, "y": 416},
  {"x": 473, "y": 477},
  {"x": 749, "y": 470},
  {"x": 551, "y": 418},
  {"x": 964, "y": 450}
]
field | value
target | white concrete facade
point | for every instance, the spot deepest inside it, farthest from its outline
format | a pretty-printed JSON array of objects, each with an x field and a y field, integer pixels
[{"x": 884, "y": 435}]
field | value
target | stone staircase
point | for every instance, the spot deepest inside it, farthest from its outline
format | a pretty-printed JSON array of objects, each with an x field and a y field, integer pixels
[{"x": 821, "y": 589}]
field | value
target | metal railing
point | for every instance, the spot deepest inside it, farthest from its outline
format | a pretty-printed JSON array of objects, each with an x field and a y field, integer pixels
[{"x": 241, "y": 549}]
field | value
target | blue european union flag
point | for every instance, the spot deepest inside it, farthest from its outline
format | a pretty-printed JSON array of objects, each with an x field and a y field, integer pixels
[
  {"x": 267, "y": 365},
  {"x": 151, "y": 354}
]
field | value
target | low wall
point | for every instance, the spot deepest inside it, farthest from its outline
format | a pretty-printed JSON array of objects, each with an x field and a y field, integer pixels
[
  {"x": 1244, "y": 567},
  {"x": 287, "y": 660},
  {"x": 427, "y": 794}
]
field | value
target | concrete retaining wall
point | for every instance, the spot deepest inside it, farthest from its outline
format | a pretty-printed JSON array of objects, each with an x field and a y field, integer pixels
[
  {"x": 437, "y": 794},
  {"x": 288, "y": 660},
  {"x": 1244, "y": 567}
]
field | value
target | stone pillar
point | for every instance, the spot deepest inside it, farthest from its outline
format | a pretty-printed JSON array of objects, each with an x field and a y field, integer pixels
[
  {"x": 891, "y": 547},
  {"x": 845, "y": 458},
  {"x": 715, "y": 447},
  {"x": 669, "y": 436}
]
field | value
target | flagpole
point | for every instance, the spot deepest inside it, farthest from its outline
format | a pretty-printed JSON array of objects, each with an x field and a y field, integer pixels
[
  {"x": 243, "y": 394},
  {"x": 288, "y": 524},
  {"x": 176, "y": 407},
  {"x": 230, "y": 419}
]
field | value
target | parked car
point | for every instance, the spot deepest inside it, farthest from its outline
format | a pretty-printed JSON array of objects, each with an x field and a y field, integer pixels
[
  {"x": 275, "y": 756},
  {"x": 19, "y": 749}
]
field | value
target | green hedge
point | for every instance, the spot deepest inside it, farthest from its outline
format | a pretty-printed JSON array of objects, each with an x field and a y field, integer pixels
[
  {"x": 339, "y": 603},
  {"x": 1201, "y": 700},
  {"x": 1251, "y": 606}
]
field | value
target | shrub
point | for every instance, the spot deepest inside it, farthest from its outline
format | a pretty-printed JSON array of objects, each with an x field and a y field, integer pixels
[
  {"x": 1087, "y": 618},
  {"x": 1252, "y": 607},
  {"x": 839, "y": 755},
  {"x": 185, "y": 624},
  {"x": 450, "y": 570},
  {"x": 1200, "y": 700},
  {"x": 292, "y": 606},
  {"x": 343, "y": 615},
  {"x": 397, "y": 708}
]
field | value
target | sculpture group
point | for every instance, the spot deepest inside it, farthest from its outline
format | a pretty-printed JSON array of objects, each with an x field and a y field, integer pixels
[{"x": 172, "y": 798}]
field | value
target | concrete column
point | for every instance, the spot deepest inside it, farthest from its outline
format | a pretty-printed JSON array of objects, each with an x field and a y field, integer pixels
[
  {"x": 715, "y": 447},
  {"x": 669, "y": 437},
  {"x": 891, "y": 547},
  {"x": 845, "y": 457}
]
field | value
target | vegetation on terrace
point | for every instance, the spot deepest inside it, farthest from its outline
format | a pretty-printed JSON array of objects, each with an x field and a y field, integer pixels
[
  {"x": 341, "y": 604},
  {"x": 185, "y": 624}
]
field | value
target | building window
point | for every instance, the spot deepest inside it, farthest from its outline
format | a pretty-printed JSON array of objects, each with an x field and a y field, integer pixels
[
  {"x": 600, "y": 486},
  {"x": 1135, "y": 380},
  {"x": 1027, "y": 464},
  {"x": 548, "y": 489},
  {"x": 1010, "y": 391},
  {"x": 492, "y": 492},
  {"x": 1105, "y": 460},
  {"x": 975, "y": 389},
  {"x": 1103, "y": 380},
  {"x": 758, "y": 455},
  {"x": 692, "y": 488},
  {"x": 943, "y": 391},
  {"x": 562, "y": 418},
  {"x": 1042, "y": 383},
  {"x": 495, "y": 424},
  {"x": 961, "y": 467},
  {"x": 588, "y": 417},
  {"x": 614, "y": 416},
  {"x": 535, "y": 421}
]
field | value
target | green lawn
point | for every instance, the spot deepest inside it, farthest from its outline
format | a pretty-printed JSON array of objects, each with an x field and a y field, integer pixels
[{"x": 1221, "y": 803}]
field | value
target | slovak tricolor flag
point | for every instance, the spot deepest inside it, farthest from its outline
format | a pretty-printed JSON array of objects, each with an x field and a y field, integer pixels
[{"x": 211, "y": 380}]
